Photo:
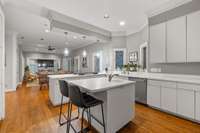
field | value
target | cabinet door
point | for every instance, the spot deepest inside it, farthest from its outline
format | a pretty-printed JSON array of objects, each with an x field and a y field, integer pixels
[
  {"x": 168, "y": 99},
  {"x": 197, "y": 116},
  {"x": 176, "y": 40},
  {"x": 157, "y": 43},
  {"x": 185, "y": 103},
  {"x": 193, "y": 39},
  {"x": 153, "y": 96}
]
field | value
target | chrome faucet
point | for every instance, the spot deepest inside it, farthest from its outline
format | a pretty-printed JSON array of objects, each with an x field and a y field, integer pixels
[{"x": 110, "y": 76}]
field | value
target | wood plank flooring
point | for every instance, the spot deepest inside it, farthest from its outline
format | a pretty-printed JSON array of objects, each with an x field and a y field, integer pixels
[{"x": 28, "y": 110}]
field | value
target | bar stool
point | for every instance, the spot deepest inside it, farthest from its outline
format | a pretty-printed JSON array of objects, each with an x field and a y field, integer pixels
[
  {"x": 85, "y": 102},
  {"x": 65, "y": 93}
]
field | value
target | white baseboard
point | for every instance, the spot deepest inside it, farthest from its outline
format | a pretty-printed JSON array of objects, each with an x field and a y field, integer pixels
[{"x": 10, "y": 90}]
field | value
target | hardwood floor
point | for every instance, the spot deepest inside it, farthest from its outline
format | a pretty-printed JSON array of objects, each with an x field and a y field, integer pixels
[{"x": 28, "y": 110}]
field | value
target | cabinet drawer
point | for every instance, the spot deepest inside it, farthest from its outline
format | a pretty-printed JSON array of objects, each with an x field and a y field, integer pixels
[
  {"x": 154, "y": 82},
  {"x": 168, "y": 84},
  {"x": 191, "y": 87}
]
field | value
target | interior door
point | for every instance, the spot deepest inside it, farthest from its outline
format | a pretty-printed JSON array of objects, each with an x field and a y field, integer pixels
[{"x": 97, "y": 64}]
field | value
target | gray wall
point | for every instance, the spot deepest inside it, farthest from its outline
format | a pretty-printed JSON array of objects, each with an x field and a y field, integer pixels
[
  {"x": 177, "y": 68},
  {"x": 187, "y": 8},
  {"x": 12, "y": 63},
  {"x": 106, "y": 49},
  {"x": 135, "y": 40}
]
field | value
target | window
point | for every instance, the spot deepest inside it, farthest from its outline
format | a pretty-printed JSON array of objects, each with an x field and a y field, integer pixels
[{"x": 119, "y": 58}]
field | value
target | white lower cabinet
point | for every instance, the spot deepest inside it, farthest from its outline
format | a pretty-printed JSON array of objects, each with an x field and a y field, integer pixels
[
  {"x": 197, "y": 116},
  {"x": 153, "y": 96},
  {"x": 168, "y": 99},
  {"x": 185, "y": 103},
  {"x": 182, "y": 99}
]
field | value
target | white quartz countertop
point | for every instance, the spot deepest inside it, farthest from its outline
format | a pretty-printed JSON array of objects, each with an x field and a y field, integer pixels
[
  {"x": 100, "y": 84},
  {"x": 61, "y": 76},
  {"x": 166, "y": 77}
]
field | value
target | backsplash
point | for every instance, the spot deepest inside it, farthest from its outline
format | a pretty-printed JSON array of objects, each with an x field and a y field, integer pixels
[{"x": 177, "y": 68}]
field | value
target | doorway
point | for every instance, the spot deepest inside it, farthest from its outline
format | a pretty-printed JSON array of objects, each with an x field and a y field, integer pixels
[
  {"x": 76, "y": 64},
  {"x": 97, "y": 62},
  {"x": 144, "y": 56}
]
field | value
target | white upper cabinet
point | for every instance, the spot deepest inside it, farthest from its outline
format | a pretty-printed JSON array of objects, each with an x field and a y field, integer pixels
[
  {"x": 158, "y": 43},
  {"x": 193, "y": 37},
  {"x": 176, "y": 40}
]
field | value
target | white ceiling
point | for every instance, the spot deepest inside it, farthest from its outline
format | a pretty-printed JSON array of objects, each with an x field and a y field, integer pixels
[
  {"x": 133, "y": 12},
  {"x": 29, "y": 24},
  {"x": 32, "y": 28}
]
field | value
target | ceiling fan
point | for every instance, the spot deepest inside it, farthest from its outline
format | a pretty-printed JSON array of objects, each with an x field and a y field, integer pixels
[{"x": 50, "y": 48}]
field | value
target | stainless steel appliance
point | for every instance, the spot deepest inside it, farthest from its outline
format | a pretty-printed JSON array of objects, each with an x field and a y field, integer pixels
[{"x": 140, "y": 90}]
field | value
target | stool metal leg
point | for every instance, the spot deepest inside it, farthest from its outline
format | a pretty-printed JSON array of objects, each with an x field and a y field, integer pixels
[
  {"x": 82, "y": 119},
  {"x": 104, "y": 127},
  {"x": 69, "y": 117},
  {"x": 60, "y": 115},
  {"x": 61, "y": 111},
  {"x": 89, "y": 117}
]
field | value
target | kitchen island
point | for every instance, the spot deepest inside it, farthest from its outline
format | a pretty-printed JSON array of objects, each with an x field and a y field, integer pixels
[
  {"x": 54, "y": 88},
  {"x": 119, "y": 101}
]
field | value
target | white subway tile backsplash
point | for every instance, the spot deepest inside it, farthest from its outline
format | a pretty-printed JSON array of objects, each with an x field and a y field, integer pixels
[{"x": 156, "y": 70}]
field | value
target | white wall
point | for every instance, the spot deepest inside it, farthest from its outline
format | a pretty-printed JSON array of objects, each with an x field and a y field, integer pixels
[
  {"x": 2, "y": 62},
  {"x": 107, "y": 53},
  {"x": 12, "y": 63}
]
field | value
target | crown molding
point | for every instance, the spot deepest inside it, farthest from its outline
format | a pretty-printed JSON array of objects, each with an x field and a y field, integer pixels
[
  {"x": 130, "y": 32},
  {"x": 166, "y": 7},
  {"x": 119, "y": 33}
]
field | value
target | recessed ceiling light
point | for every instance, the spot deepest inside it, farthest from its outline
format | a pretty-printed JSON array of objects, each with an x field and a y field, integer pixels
[
  {"x": 66, "y": 52},
  {"x": 122, "y": 23},
  {"x": 46, "y": 30},
  {"x": 75, "y": 37},
  {"x": 106, "y": 16}
]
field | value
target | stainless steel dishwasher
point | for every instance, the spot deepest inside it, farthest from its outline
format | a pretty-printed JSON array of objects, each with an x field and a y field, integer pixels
[{"x": 140, "y": 90}]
